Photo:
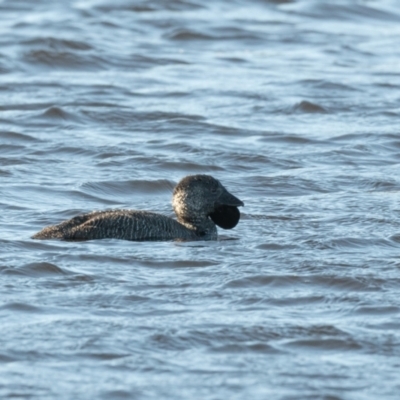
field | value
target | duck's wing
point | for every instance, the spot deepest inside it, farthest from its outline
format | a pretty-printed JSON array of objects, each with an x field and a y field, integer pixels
[{"x": 118, "y": 224}]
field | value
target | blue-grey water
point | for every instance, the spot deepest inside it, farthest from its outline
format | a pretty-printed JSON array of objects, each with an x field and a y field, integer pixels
[{"x": 294, "y": 106}]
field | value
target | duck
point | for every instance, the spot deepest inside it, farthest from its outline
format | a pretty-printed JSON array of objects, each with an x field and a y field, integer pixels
[{"x": 200, "y": 202}]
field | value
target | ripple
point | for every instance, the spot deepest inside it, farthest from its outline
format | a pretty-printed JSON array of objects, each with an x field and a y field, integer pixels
[
  {"x": 142, "y": 6},
  {"x": 57, "y": 44},
  {"x": 263, "y": 280},
  {"x": 328, "y": 344},
  {"x": 231, "y": 339},
  {"x": 307, "y": 107},
  {"x": 258, "y": 348},
  {"x": 352, "y": 12},
  {"x": 57, "y": 113},
  {"x": 178, "y": 264},
  {"x": 21, "y": 307},
  {"x": 130, "y": 188},
  {"x": 63, "y": 60},
  {"x": 5, "y": 358},
  {"x": 284, "y": 281},
  {"x": 16, "y": 137},
  {"x": 40, "y": 269}
]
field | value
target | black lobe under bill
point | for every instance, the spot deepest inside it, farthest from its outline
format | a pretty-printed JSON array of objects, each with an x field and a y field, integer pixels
[{"x": 226, "y": 217}]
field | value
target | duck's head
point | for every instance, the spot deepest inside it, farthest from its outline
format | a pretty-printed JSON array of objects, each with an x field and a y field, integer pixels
[{"x": 197, "y": 197}]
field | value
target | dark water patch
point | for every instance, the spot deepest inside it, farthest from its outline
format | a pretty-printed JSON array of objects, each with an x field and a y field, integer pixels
[
  {"x": 354, "y": 283},
  {"x": 11, "y": 148},
  {"x": 140, "y": 61},
  {"x": 352, "y": 137},
  {"x": 135, "y": 298},
  {"x": 357, "y": 243},
  {"x": 5, "y": 358},
  {"x": 81, "y": 279},
  {"x": 238, "y": 33},
  {"x": 26, "y": 106},
  {"x": 379, "y": 185},
  {"x": 388, "y": 113},
  {"x": 20, "y": 246},
  {"x": 179, "y": 147},
  {"x": 288, "y": 138},
  {"x": 143, "y": 6},
  {"x": 328, "y": 87},
  {"x": 367, "y": 138},
  {"x": 40, "y": 269},
  {"x": 57, "y": 43},
  {"x": 278, "y": 1},
  {"x": 322, "y": 281},
  {"x": 258, "y": 348},
  {"x": 140, "y": 7},
  {"x": 378, "y": 310},
  {"x": 217, "y": 339},
  {"x": 199, "y": 124},
  {"x": 264, "y": 280},
  {"x": 127, "y": 117},
  {"x": 307, "y": 107},
  {"x": 295, "y": 301},
  {"x": 326, "y": 344},
  {"x": 352, "y": 12},
  {"x": 15, "y": 137},
  {"x": 63, "y": 60},
  {"x": 178, "y": 264},
  {"x": 276, "y": 246},
  {"x": 12, "y": 161},
  {"x": 106, "y": 258},
  {"x": 57, "y": 113},
  {"x": 317, "y": 338},
  {"x": 54, "y": 153},
  {"x": 110, "y": 152},
  {"x": 386, "y": 326},
  {"x": 233, "y": 59},
  {"x": 262, "y": 302},
  {"x": 226, "y": 33},
  {"x": 20, "y": 307},
  {"x": 186, "y": 34},
  {"x": 4, "y": 173},
  {"x": 121, "y": 394},
  {"x": 101, "y": 356}
]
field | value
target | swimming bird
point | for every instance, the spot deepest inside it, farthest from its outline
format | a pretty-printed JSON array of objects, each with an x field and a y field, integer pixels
[{"x": 200, "y": 202}]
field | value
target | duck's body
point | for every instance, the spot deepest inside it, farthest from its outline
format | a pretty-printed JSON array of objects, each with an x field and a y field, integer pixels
[
  {"x": 199, "y": 201},
  {"x": 120, "y": 224}
]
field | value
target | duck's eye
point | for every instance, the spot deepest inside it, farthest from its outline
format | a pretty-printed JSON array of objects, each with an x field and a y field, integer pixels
[{"x": 213, "y": 190}]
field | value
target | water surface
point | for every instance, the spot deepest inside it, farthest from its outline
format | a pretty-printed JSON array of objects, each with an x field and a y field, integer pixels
[{"x": 294, "y": 106}]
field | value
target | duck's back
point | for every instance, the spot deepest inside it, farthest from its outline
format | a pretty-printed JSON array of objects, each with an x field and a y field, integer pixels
[{"x": 118, "y": 224}]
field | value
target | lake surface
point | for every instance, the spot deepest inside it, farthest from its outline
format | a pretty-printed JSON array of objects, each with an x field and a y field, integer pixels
[{"x": 294, "y": 106}]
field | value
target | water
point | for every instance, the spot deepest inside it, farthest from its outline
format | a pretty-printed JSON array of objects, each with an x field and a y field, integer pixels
[{"x": 294, "y": 106}]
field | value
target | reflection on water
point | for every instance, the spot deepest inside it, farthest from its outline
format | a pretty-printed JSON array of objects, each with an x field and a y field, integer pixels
[{"x": 294, "y": 106}]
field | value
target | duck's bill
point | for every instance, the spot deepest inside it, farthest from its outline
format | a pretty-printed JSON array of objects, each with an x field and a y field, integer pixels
[{"x": 227, "y": 199}]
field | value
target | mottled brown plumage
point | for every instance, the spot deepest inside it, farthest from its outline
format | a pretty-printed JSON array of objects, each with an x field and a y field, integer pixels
[{"x": 199, "y": 201}]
